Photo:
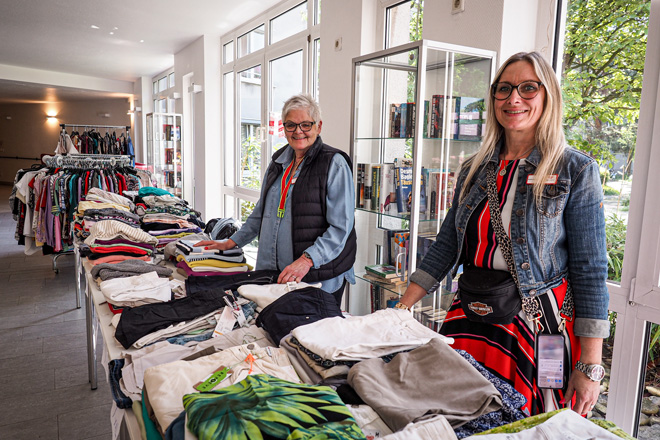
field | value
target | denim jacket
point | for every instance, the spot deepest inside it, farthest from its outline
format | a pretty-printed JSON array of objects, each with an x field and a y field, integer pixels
[{"x": 562, "y": 237}]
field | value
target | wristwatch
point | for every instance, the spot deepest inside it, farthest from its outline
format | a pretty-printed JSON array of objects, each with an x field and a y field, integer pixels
[
  {"x": 306, "y": 255},
  {"x": 401, "y": 305},
  {"x": 595, "y": 372}
]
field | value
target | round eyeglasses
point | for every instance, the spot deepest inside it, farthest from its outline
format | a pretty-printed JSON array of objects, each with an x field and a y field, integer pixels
[
  {"x": 526, "y": 89},
  {"x": 304, "y": 126}
]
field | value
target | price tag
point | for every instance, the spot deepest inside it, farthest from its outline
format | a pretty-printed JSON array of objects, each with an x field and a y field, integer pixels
[
  {"x": 213, "y": 379},
  {"x": 237, "y": 310},
  {"x": 225, "y": 322}
]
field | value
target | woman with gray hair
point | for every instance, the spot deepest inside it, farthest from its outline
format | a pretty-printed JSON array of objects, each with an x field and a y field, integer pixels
[
  {"x": 304, "y": 217},
  {"x": 528, "y": 228}
]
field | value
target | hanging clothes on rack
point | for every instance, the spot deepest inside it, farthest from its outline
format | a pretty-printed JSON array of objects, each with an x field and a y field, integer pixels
[
  {"x": 49, "y": 196},
  {"x": 93, "y": 141}
]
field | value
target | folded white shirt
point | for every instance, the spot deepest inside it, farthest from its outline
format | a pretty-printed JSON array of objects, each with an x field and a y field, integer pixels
[
  {"x": 147, "y": 286},
  {"x": 265, "y": 294},
  {"x": 357, "y": 338}
]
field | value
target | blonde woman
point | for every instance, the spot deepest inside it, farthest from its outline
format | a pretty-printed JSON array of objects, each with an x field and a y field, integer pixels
[{"x": 550, "y": 246}]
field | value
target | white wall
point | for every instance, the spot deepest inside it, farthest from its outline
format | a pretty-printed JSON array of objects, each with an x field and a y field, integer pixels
[
  {"x": 202, "y": 59},
  {"x": 505, "y": 26},
  {"x": 357, "y": 31}
]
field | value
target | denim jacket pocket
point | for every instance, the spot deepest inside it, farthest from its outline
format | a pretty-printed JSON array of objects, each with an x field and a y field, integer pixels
[{"x": 553, "y": 199}]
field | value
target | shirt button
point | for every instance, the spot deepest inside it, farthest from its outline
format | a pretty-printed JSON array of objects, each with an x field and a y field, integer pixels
[
  {"x": 522, "y": 189},
  {"x": 520, "y": 240},
  {"x": 529, "y": 168},
  {"x": 532, "y": 292},
  {"x": 520, "y": 212},
  {"x": 552, "y": 191},
  {"x": 524, "y": 266}
]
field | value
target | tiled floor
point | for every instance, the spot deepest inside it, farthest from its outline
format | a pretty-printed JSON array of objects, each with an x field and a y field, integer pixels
[{"x": 43, "y": 356}]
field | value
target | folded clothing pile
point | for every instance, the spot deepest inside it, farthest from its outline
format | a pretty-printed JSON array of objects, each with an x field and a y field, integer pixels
[
  {"x": 113, "y": 236},
  {"x": 128, "y": 268},
  {"x": 197, "y": 261},
  {"x": 168, "y": 227}
]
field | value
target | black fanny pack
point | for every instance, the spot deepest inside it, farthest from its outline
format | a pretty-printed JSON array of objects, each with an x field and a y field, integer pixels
[{"x": 489, "y": 296}]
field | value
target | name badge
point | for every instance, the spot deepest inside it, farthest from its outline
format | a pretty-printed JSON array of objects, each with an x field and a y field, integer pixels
[{"x": 550, "y": 180}]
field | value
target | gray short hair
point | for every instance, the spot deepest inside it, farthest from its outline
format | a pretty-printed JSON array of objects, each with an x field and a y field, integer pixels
[{"x": 302, "y": 102}]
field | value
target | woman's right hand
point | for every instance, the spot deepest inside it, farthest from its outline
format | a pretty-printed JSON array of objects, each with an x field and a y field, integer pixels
[{"x": 222, "y": 245}]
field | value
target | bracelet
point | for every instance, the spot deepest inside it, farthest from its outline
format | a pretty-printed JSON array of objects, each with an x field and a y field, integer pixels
[{"x": 401, "y": 305}]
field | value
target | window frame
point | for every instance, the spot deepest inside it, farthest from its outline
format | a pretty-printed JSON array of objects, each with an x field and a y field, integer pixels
[
  {"x": 636, "y": 299},
  {"x": 304, "y": 40}
]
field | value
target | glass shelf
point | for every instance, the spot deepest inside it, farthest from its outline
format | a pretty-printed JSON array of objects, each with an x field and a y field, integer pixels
[
  {"x": 418, "y": 112},
  {"x": 404, "y": 139}
]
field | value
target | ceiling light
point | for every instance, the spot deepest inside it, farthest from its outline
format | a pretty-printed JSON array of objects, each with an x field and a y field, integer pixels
[
  {"x": 112, "y": 33},
  {"x": 95, "y": 26},
  {"x": 141, "y": 41}
]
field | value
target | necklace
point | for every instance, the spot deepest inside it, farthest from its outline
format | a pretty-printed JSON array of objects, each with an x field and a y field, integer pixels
[{"x": 519, "y": 156}]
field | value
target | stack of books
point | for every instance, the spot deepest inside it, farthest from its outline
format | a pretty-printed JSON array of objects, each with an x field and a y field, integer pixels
[{"x": 383, "y": 274}]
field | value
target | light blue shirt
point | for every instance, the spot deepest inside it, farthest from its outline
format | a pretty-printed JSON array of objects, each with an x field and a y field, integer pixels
[{"x": 275, "y": 242}]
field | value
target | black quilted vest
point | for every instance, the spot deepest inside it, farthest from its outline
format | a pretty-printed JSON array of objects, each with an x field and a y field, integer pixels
[{"x": 308, "y": 208}]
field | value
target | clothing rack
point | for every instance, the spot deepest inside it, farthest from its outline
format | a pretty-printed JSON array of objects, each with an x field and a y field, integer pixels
[
  {"x": 87, "y": 160},
  {"x": 123, "y": 127}
]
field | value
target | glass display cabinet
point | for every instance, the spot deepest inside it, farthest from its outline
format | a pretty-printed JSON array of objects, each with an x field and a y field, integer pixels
[
  {"x": 165, "y": 152},
  {"x": 418, "y": 113}
]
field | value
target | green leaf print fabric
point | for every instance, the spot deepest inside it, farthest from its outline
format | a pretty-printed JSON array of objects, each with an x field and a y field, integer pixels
[{"x": 265, "y": 407}]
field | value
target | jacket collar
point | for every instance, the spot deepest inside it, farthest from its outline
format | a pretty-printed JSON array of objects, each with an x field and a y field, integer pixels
[{"x": 533, "y": 159}]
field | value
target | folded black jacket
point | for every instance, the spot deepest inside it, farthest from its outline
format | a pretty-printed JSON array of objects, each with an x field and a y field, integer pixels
[
  {"x": 230, "y": 282},
  {"x": 137, "y": 322},
  {"x": 296, "y": 308}
]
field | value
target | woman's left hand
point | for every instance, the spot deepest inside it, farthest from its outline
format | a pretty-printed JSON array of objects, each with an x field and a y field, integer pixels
[
  {"x": 586, "y": 392},
  {"x": 295, "y": 271}
]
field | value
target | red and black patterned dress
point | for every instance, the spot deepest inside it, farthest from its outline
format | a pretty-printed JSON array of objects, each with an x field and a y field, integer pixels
[{"x": 508, "y": 350}]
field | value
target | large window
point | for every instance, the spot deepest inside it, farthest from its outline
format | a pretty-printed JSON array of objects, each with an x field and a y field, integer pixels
[
  {"x": 263, "y": 74},
  {"x": 403, "y": 22},
  {"x": 602, "y": 69}
]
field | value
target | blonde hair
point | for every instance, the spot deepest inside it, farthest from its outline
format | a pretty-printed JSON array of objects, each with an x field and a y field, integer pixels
[{"x": 549, "y": 136}]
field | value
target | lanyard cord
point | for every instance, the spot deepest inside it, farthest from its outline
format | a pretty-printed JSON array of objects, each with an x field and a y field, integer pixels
[{"x": 287, "y": 178}]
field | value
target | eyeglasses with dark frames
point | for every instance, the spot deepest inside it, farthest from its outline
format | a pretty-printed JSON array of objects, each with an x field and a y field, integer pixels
[
  {"x": 526, "y": 89},
  {"x": 304, "y": 126}
]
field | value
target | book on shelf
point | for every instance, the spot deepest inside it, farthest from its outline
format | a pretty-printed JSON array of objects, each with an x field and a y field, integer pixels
[
  {"x": 381, "y": 297},
  {"x": 437, "y": 110},
  {"x": 375, "y": 186},
  {"x": 387, "y": 200},
  {"x": 395, "y": 120},
  {"x": 404, "y": 120},
  {"x": 440, "y": 192},
  {"x": 427, "y": 119},
  {"x": 367, "y": 186},
  {"x": 470, "y": 119},
  {"x": 400, "y": 241},
  {"x": 383, "y": 271},
  {"x": 385, "y": 282},
  {"x": 359, "y": 189},
  {"x": 411, "y": 117},
  {"x": 390, "y": 247},
  {"x": 403, "y": 187}
]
